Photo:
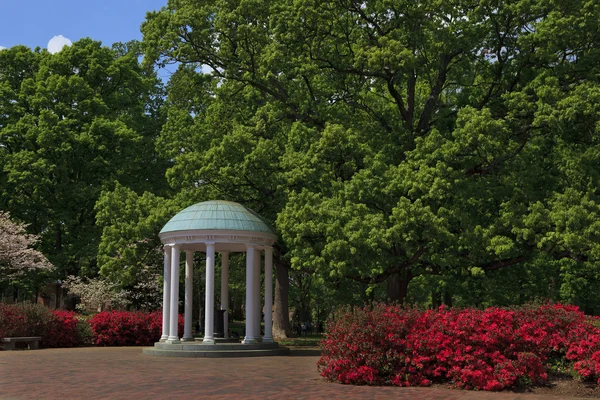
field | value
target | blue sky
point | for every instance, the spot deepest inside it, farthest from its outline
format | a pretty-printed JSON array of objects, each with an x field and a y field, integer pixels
[{"x": 34, "y": 22}]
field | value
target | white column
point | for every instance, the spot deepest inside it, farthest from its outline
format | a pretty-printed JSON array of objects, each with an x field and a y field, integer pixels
[
  {"x": 268, "y": 338},
  {"x": 209, "y": 301},
  {"x": 257, "y": 302},
  {"x": 250, "y": 338},
  {"x": 225, "y": 290},
  {"x": 189, "y": 296},
  {"x": 174, "y": 312},
  {"x": 166, "y": 293}
]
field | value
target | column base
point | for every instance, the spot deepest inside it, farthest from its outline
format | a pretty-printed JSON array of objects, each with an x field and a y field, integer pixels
[
  {"x": 268, "y": 340},
  {"x": 208, "y": 341},
  {"x": 173, "y": 340},
  {"x": 187, "y": 339},
  {"x": 249, "y": 341},
  {"x": 163, "y": 338}
]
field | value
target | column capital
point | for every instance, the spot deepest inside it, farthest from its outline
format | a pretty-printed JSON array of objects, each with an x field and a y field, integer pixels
[{"x": 250, "y": 246}]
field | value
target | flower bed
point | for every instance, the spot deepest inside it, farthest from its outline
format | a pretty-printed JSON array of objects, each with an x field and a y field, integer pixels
[
  {"x": 488, "y": 349},
  {"x": 60, "y": 328},
  {"x": 56, "y": 327}
]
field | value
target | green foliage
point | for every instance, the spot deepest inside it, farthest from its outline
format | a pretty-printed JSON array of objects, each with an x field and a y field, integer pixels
[
  {"x": 130, "y": 224},
  {"x": 418, "y": 138},
  {"x": 84, "y": 331},
  {"x": 71, "y": 124},
  {"x": 449, "y": 145}
]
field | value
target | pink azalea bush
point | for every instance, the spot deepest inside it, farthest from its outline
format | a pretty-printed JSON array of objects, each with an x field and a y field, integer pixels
[
  {"x": 128, "y": 328},
  {"x": 488, "y": 349},
  {"x": 62, "y": 331},
  {"x": 56, "y": 327},
  {"x": 60, "y": 328},
  {"x": 12, "y": 321}
]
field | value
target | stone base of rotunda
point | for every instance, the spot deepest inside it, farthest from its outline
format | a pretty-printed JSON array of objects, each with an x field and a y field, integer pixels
[{"x": 217, "y": 350}]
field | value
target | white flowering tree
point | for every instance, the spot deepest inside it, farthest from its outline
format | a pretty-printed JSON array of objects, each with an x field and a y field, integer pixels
[
  {"x": 17, "y": 253},
  {"x": 144, "y": 294},
  {"x": 95, "y": 292}
]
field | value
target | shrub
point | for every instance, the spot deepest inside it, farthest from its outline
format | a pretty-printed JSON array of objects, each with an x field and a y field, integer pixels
[
  {"x": 84, "y": 331},
  {"x": 12, "y": 321},
  {"x": 128, "y": 328},
  {"x": 488, "y": 349},
  {"x": 62, "y": 330},
  {"x": 365, "y": 346},
  {"x": 584, "y": 350},
  {"x": 56, "y": 327},
  {"x": 36, "y": 320}
]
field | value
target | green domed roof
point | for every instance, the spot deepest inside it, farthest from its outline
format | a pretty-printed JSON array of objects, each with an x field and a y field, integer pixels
[{"x": 217, "y": 215}]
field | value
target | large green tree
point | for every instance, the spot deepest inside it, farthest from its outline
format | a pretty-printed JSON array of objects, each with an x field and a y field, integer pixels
[
  {"x": 390, "y": 140},
  {"x": 71, "y": 125}
]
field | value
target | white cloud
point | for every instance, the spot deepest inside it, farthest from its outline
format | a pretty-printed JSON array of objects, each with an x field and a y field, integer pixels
[
  {"x": 57, "y": 43},
  {"x": 2, "y": 48},
  {"x": 205, "y": 69}
]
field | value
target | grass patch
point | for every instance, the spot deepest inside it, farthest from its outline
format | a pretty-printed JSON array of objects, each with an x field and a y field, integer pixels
[{"x": 310, "y": 340}]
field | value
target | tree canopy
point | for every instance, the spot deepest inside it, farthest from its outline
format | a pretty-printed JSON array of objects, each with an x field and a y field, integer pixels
[
  {"x": 390, "y": 140},
  {"x": 71, "y": 124},
  {"x": 403, "y": 149}
]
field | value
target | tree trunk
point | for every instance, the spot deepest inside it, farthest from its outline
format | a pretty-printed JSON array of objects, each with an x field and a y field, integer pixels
[
  {"x": 302, "y": 305},
  {"x": 436, "y": 299},
  {"x": 281, "y": 320},
  {"x": 397, "y": 286},
  {"x": 58, "y": 238},
  {"x": 447, "y": 298}
]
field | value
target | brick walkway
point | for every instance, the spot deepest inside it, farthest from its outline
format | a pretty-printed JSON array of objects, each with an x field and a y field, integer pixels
[{"x": 124, "y": 373}]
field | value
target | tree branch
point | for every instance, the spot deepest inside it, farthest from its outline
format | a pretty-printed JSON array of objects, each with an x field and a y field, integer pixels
[
  {"x": 390, "y": 271},
  {"x": 503, "y": 263},
  {"x": 434, "y": 96}
]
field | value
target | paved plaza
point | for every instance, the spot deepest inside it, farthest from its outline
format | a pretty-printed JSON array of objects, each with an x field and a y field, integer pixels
[{"x": 124, "y": 373}]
